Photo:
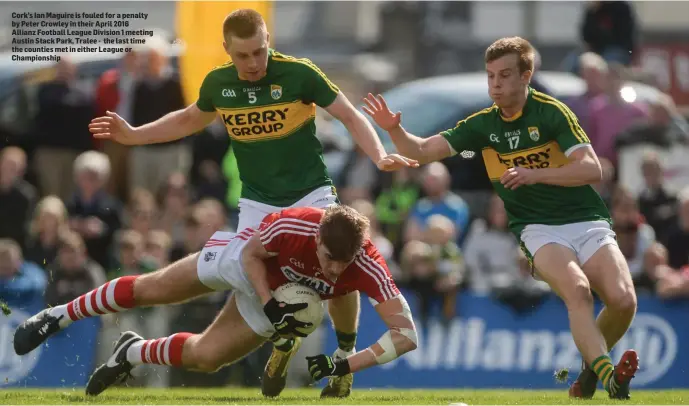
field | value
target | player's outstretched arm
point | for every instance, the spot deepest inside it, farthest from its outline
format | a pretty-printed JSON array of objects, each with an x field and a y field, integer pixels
[
  {"x": 170, "y": 127},
  {"x": 365, "y": 135},
  {"x": 423, "y": 150},
  {"x": 400, "y": 338}
]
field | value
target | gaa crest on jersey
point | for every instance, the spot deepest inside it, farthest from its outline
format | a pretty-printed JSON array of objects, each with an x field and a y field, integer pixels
[
  {"x": 534, "y": 134},
  {"x": 276, "y": 92}
]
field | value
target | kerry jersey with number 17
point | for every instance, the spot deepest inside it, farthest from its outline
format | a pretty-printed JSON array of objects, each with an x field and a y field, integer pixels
[
  {"x": 272, "y": 126},
  {"x": 542, "y": 135}
]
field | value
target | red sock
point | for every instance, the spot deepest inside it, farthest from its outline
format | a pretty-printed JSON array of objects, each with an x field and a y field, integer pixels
[
  {"x": 161, "y": 351},
  {"x": 112, "y": 297}
]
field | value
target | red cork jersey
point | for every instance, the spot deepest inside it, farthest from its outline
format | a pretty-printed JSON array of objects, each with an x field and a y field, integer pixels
[{"x": 291, "y": 234}]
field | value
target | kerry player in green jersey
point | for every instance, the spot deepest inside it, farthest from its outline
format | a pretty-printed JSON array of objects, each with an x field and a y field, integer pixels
[
  {"x": 267, "y": 102},
  {"x": 542, "y": 165}
]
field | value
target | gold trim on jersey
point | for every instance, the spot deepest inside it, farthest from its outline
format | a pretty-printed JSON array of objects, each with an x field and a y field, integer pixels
[
  {"x": 577, "y": 131},
  {"x": 548, "y": 155},
  {"x": 304, "y": 61},
  {"x": 515, "y": 117},
  {"x": 263, "y": 123},
  {"x": 227, "y": 64},
  {"x": 484, "y": 111}
]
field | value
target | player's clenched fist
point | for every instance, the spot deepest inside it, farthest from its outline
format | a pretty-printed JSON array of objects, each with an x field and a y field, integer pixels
[
  {"x": 281, "y": 316},
  {"x": 321, "y": 366}
]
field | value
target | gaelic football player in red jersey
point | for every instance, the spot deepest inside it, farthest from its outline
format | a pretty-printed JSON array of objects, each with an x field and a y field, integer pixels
[
  {"x": 267, "y": 102},
  {"x": 325, "y": 249}
]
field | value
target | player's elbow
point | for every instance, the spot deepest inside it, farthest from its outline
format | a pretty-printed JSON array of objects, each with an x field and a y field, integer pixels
[
  {"x": 595, "y": 171},
  {"x": 409, "y": 341}
]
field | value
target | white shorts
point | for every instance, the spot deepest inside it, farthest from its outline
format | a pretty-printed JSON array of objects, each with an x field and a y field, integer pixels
[
  {"x": 583, "y": 238},
  {"x": 251, "y": 213},
  {"x": 220, "y": 268}
]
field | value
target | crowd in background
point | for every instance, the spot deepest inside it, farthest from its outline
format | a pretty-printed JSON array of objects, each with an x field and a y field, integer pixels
[{"x": 76, "y": 212}]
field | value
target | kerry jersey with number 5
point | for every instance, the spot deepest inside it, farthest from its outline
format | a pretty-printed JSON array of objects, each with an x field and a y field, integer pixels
[
  {"x": 291, "y": 236},
  {"x": 541, "y": 136},
  {"x": 272, "y": 126}
]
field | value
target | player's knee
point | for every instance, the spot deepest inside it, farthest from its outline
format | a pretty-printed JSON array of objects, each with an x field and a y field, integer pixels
[
  {"x": 623, "y": 302},
  {"x": 578, "y": 295}
]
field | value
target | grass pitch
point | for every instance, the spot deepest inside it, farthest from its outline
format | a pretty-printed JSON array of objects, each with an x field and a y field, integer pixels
[{"x": 242, "y": 396}]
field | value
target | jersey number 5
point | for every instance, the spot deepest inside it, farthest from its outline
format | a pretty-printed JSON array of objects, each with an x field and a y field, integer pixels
[
  {"x": 252, "y": 97},
  {"x": 514, "y": 141}
]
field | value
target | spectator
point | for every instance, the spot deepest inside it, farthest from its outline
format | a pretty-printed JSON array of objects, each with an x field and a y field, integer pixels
[
  {"x": 48, "y": 222},
  {"x": 384, "y": 245},
  {"x": 201, "y": 223},
  {"x": 359, "y": 177},
  {"x": 439, "y": 200},
  {"x": 73, "y": 273},
  {"x": 21, "y": 282},
  {"x": 158, "y": 248},
  {"x": 536, "y": 81},
  {"x": 94, "y": 214},
  {"x": 607, "y": 184},
  {"x": 673, "y": 283},
  {"x": 441, "y": 236},
  {"x": 655, "y": 263},
  {"x": 660, "y": 130},
  {"x": 609, "y": 29},
  {"x": 17, "y": 196},
  {"x": 656, "y": 203},
  {"x": 64, "y": 112},
  {"x": 522, "y": 292},
  {"x": 421, "y": 276},
  {"x": 634, "y": 236},
  {"x": 394, "y": 204},
  {"x": 141, "y": 211},
  {"x": 173, "y": 200},
  {"x": 677, "y": 239},
  {"x": 210, "y": 149},
  {"x": 486, "y": 237},
  {"x": 668, "y": 282},
  {"x": 611, "y": 115},
  {"x": 158, "y": 93},
  {"x": 211, "y": 183},
  {"x": 129, "y": 254},
  {"x": 115, "y": 92},
  {"x": 594, "y": 70}
]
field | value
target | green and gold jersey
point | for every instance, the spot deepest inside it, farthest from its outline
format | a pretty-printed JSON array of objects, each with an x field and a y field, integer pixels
[
  {"x": 272, "y": 126},
  {"x": 542, "y": 135}
]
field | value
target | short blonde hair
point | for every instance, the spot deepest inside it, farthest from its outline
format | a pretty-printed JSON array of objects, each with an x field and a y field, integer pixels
[{"x": 513, "y": 46}]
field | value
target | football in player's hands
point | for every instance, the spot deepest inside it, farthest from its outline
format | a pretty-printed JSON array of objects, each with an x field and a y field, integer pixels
[{"x": 281, "y": 316}]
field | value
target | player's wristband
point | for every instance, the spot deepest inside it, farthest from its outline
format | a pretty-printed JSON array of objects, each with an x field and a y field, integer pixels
[{"x": 341, "y": 367}]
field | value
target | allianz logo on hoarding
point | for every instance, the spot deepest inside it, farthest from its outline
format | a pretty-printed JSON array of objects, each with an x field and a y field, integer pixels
[
  {"x": 468, "y": 345},
  {"x": 14, "y": 368}
]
